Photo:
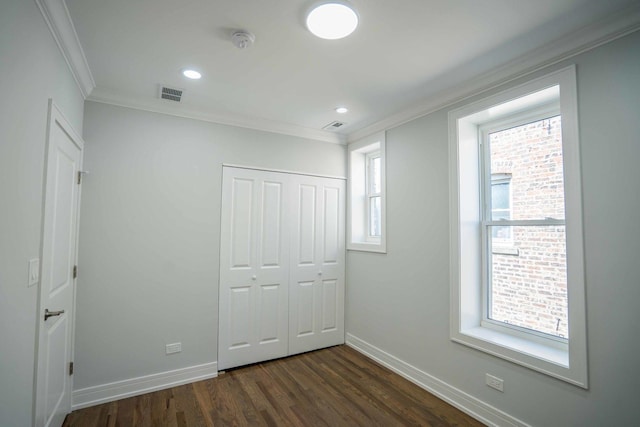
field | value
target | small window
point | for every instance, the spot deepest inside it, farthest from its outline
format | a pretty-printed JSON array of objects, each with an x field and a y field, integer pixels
[
  {"x": 374, "y": 196},
  {"x": 517, "y": 262},
  {"x": 366, "y": 218}
]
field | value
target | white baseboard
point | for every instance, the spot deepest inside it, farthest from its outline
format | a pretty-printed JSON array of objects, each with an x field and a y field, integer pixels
[
  {"x": 104, "y": 393},
  {"x": 466, "y": 403}
]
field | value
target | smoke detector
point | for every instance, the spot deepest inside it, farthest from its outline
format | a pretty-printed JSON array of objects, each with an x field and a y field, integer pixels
[{"x": 242, "y": 39}]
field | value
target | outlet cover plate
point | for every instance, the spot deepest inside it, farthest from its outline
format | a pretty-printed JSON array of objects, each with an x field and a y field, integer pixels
[
  {"x": 174, "y": 348},
  {"x": 495, "y": 382}
]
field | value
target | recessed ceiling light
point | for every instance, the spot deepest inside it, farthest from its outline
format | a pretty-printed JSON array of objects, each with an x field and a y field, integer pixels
[
  {"x": 332, "y": 20},
  {"x": 191, "y": 74},
  {"x": 342, "y": 110}
]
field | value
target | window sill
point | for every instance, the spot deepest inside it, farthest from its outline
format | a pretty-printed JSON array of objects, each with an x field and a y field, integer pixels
[
  {"x": 510, "y": 343},
  {"x": 367, "y": 247},
  {"x": 546, "y": 359}
]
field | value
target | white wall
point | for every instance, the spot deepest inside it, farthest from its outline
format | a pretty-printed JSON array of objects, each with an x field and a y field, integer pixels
[
  {"x": 399, "y": 302},
  {"x": 150, "y": 235},
  {"x": 32, "y": 70}
]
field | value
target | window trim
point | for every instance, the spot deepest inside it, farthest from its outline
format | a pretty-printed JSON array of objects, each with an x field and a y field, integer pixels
[
  {"x": 358, "y": 231},
  {"x": 466, "y": 327}
]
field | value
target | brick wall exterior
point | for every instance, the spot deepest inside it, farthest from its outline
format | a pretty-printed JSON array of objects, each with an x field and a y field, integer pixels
[{"x": 529, "y": 280}]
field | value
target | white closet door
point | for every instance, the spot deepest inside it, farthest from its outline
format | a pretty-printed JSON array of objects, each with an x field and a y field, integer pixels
[
  {"x": 316, "y": 300},
  {"x": 254, "y": 267}
]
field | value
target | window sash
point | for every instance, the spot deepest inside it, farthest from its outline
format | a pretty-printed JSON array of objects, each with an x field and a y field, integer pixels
[
  {"x": 371, "y": 195},
  {"x": 486, "y": 221}
]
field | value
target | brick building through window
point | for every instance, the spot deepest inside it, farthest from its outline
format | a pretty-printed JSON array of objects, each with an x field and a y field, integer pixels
[{"x": 528, "y": 263}]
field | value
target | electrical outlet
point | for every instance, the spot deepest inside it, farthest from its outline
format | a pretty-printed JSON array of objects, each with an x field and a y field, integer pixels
[
  {"x": 176, "y": 347},
  {"x": 495, "y": 382}
]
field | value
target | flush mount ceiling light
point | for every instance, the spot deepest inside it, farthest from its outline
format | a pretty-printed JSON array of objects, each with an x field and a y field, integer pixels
[
  {"x": 332, "y": 20},
  {"x": 191, "y": 74},
  {"x": 342, "y": 110}
]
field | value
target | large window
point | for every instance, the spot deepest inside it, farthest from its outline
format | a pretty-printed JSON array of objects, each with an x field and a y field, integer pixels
[
  {"x": 366, "y": 216},
  {"x": 516, "y": 250},
  {"x": 522, "y": 160}
]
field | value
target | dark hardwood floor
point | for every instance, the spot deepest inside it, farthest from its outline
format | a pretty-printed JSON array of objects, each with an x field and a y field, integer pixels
[{"x": 336, "y": 386}]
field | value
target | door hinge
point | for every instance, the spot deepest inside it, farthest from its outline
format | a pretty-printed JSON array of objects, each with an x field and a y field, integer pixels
[
  {"x": 79, "y": 177},
  {"x": 75, "y": 271},
  {"x": 70, "y": 368}
]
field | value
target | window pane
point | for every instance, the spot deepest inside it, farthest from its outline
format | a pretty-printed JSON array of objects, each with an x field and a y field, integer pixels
[
  {"x": 501, "y": 232},
  {"x": 531, "y": 155},
  {"x": 375, "y": 175},
  {"x": 375, "y": 214},
  {"x": 529, "y": 286},
  {"x": 500, "y": 195}
]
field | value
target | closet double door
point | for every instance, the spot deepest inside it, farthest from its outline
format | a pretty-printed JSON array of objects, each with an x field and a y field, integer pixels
[{"x": 281, "y": 265}]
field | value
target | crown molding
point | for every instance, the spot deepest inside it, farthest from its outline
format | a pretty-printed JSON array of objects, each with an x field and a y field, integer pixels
[
  {"x": 587, "y": 38},
  {"x": 57, "y": 17},
  {"x": 106, "y": 96},
  {"x": 59, "y": 21}
]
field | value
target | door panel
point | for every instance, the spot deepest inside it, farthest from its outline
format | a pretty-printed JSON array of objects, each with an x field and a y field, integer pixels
[
  {"x": 240, "y": 316},
  {"x": 304, "y": 308},
  {"x": 254, "y": 268},
  {"x": 317, "y": 308},
  {"x": 271, "y": 220},
  {"x": 331, "y": 225},
  {"x": 306, "y": 224},
  {"x": 58, "y": 347},
  {"x": 329, "y": 305},
  {"x": 269, "y": 313},
  {"x": 57, "y": 286},
  {"x": 241, "y": 222}
]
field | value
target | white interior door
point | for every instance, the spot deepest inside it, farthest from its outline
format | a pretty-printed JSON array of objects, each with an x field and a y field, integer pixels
[
  {"x": 57, "y": 285},
  {"x": 316, "y": 292},
  {"x": 254, "y": 267}
]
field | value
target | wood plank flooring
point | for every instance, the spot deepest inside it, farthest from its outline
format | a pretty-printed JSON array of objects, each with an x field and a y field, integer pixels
[{"x": 332, "y": 387}]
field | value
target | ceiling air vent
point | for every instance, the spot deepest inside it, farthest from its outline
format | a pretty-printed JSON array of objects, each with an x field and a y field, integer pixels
[
  {"x": 171, "y": 94},
  {"x": 334, "y": 126}
]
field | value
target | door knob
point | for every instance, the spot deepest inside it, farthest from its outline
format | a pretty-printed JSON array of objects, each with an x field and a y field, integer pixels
[
  {"x": 253, "y": 277},
  {"x": 48, "y": 313}
]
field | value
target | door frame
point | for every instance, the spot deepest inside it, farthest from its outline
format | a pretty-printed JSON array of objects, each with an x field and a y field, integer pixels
[{"x": 54, "y": 116}]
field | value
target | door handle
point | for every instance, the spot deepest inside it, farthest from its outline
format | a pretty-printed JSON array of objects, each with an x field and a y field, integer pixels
[{"x": 48, "y": 313}]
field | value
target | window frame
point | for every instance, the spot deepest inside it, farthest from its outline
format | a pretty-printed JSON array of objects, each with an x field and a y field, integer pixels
[
  {"x": 468, "y": 325},
  {"x": 359, "y": 193},
  {"x": 486, "y": 217}
]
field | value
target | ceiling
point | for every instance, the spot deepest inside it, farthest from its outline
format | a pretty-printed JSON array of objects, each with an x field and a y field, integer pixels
[{"x": 403, "y": 53}]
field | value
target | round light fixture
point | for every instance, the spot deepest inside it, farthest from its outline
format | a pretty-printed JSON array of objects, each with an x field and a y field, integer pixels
[
  {"x": 342, "y": 110},
  {"x": 191, "y": 74},
  {"x": 332, "y": 20}
]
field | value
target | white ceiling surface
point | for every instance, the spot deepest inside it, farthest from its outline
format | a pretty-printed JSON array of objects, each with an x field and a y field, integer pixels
[{"x": 402, "y": 52}]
